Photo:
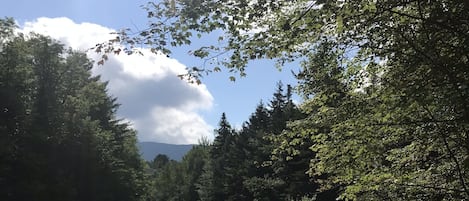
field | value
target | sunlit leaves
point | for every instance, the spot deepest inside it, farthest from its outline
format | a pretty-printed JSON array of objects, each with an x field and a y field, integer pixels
[
  {"x": 385, "y": 83},
  {"x": 383, "y": 129},
  {"x": 247, "y": 34}
]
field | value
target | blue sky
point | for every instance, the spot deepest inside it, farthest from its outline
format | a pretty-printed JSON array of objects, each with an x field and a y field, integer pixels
[{"x": 160, "y": 107}]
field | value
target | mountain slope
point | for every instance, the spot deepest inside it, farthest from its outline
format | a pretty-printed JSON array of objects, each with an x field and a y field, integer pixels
[{"x": 150, "y": 149}]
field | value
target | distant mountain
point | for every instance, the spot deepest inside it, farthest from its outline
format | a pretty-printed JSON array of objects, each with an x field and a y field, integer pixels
[{"x": 150, "y": 149}]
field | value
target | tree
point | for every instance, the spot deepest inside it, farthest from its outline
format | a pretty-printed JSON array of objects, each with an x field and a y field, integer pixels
[
  {"x": 62, "y": 139},
  {"x": 385, "y": 83},
  {"x": 224, "y": 172},
  {"x": 194, "y": 162},
  {"x": 205, "y": 185},
  {"x": 220, "y": 158},
  {"x": 160, "y": 161},
  {"x": 256, "y": 136},
  {"x": 277, "y": 115},
  {"x": 224, "y": 135},
  {"x": 179, "y": 180},
  {"x": 369, "y": 122}
]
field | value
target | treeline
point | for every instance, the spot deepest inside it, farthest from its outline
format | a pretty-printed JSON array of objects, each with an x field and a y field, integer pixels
[
  {"x": 239, "y": 164},
  {"x": 59, "y": 137}
]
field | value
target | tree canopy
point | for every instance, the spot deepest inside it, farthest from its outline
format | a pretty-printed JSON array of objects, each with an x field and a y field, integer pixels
[
  {"x": 289, "y": 30},
  {"x": 60, "y": 139},
  {"x": 385, "y": 83}
]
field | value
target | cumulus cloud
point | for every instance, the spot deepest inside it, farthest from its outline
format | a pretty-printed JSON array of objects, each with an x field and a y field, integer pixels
[{"x": 159, "y": 105}]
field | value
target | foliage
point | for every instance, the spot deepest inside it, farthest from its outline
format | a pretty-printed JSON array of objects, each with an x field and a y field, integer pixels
[
  {"x": 381, "y": 123},
  {"x": 60, "y": 139},
  {"x": 238, "y": 165},
  {"x": 385, "y": 84},
  {"x": 175, "y": 180},
  {"x": 240, "y": 161}
]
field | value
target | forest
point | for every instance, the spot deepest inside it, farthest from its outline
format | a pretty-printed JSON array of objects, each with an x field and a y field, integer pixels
[{"x": 384, "y": 115}]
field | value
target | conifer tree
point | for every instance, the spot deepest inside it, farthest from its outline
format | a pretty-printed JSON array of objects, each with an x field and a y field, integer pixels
[
  {"x": 277, "y": 110},
  {"x": 220, "y": 158},
  {"x": 64, "y": 140}
]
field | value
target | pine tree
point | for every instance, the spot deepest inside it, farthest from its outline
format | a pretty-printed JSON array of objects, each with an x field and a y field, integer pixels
[
  {"x": 223, "y": 137},
  {"x": 219, "y": 155},
  {"x": 277, "y": 110}
]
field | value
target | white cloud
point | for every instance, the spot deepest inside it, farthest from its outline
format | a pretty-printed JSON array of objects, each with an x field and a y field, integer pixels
[{"x": 160, "y": 106}]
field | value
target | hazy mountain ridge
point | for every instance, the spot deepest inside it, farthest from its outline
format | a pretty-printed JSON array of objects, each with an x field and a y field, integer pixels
[{"x": 149, "y": 150}]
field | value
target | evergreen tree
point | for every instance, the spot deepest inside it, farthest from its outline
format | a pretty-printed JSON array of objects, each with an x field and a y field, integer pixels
[
  {"x": 220, "y": 154},
  {"x": 277, "y": 110},
  {"x": 63, "y": 140},
  {"x": 261, "y": 128},
  {"x": 224, "y": 134}
]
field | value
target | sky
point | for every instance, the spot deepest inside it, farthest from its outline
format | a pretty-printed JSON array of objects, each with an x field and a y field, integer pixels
[{"x": 160, "y": 106}]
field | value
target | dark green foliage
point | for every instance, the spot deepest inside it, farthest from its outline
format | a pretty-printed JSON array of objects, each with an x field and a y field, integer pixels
[
  {"x": 179, "y": 180},
  {"x": 240, "y": 162},
  {"x": 159, "y": 162},
  {"x": 221, "y": 160},
  {"x": 238, "y": 165},
  {"x": 59, "y": 137}
]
